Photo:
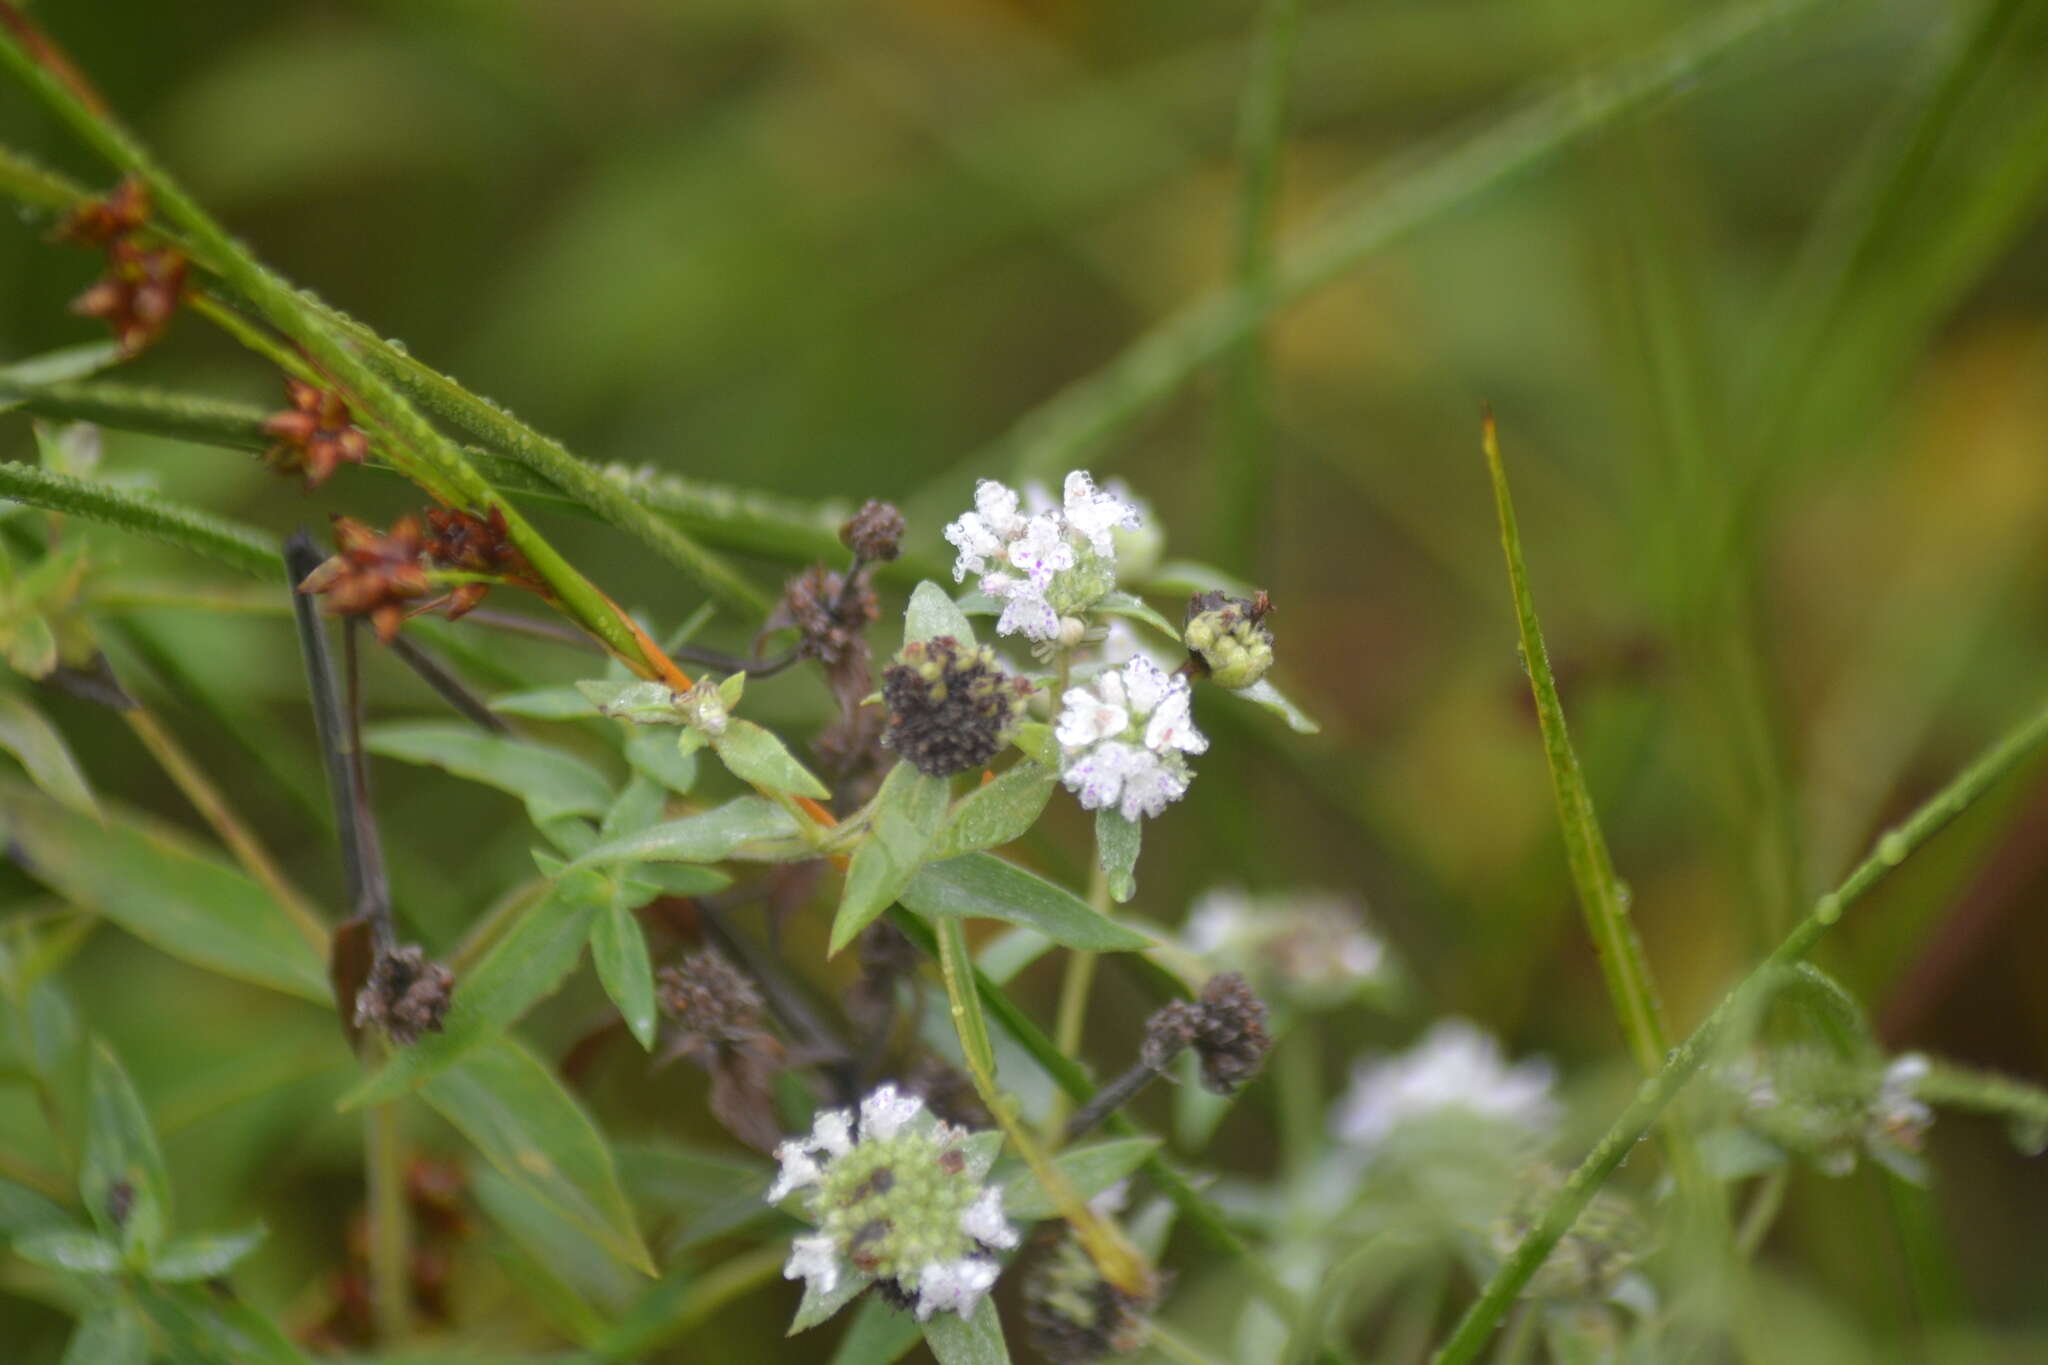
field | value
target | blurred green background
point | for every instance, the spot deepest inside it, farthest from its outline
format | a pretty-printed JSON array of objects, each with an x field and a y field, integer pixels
[{"x": 1770, "y": 361}]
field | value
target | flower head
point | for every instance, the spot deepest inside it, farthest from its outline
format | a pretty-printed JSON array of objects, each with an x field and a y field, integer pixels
[
  {"x": 1456, "y": 1068},
  {"x": 314, "y": 435},
  {"x": 1808, "y": 1099},
  {"x": 1047, "y": 565},
  {"x": 952, "y": 707},
  {"x": 898, "y": 1198},
  {"x": 1124, "y": 739},
  {"x": 373, "y": 575}
]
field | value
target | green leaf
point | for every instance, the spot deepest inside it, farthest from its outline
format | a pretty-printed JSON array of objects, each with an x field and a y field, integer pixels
[
  {"x": 902, "y": 820},
  {"x": 516, "y": 1113},
  {"x": 32, "y": 651},
  {"x": 755, "y": 756},
  {"x": 968, "y": 1341},
  {"x": 1263, "y": 693},
  {"x": 524, "y": 966},
  {"x": 1116, "y": 844},
  {"x": 996, "y": 813},
  {"x": 572, "y": 1281},
  {"x": 1599, "y": 889},
  {"x": 122, "y": 1164},
  {"x": 634, "y": 699},
  {"x": 1128, "y": 605},
  {"x": 545, "y": 703},
  {"x": 933, "y": 613},
  {"x": 639, "y": 806},
  {"x": 204, "y": 1328},
  {"x": 71, "y": 1249},
  {"x": 550, "y": 782},
  {"x": 655, "y": 753},
  {"x": 983, "y": 886},
  {"x": 154, "y": 884},
  {"x": 203, "y": 1258},
  {"x": 1090, "y": 1170},
  {"x": 620, "y": 951},
  {"x": 816, "y": 1306},
  {"x": 1034, "y": 739},
  {"x": 23, "y": 1211},
  {"x": 880, "y": 1334},
  {"x": 111, "y": 1335},
  {"x": 25, "y": 733},
  {"x": 242, "y": 547},
  {"x": 59, "y": 366},
  {"x": 706, "y": 837}
]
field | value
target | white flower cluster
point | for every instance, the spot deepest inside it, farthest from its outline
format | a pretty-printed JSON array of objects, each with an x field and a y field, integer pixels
[
  {"x": 1123, "y": 739},
  {"x": 1457, "y": 1067},
  {"x": 1047, "y": 565},
  {"x": 899, "y": 1196}
]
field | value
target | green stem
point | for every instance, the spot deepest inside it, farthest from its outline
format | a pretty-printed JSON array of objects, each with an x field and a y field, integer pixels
[
  {"x": 240, "y": 547},
  {"x": 1174, "y": 1346},
  {"x": 390, "y": 1228},
  {"x": 1078, "y": 978},
  {"x": 1500, "y": 1292},
  {"x": 1262, "y": 123},
  {"x": 429, "y": 457}
]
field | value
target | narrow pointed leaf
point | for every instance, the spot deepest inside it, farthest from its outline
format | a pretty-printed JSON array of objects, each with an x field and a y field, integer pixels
[
  {"x": 905, "y": 816},
  {"x": 204, "y": 1258},
  {"x": 817, "y": 1306},
  {"x": 25, "y": 733},
  {"x": 70, "y": 1249},
  {"x": 619, "y": 949},
  {"x": 754, "y": 755},
  {"x": 1128, "y": 605},
  {"x": 516, "y": 1113},
  {"x": 1116, "y": 845},
  {"x": 983, "y": 886},
  {"x": 968, "y": 1341},
  {"x": 933, "y": 613},
  {"x": 545, "y": 703},
  {"x": 527, "y": 964},
  {"x": 202, "y": 1326},
  {"x": 706, "y": 837},
  {"x": 996, "y": 813},
  {"x": 654, "y": 753},
  {"x": 157, "y": 886},
  {"x": 552, "y": 783},
  {"x": 1263, "y": 693},
  {"x": 241, "y": 547}
]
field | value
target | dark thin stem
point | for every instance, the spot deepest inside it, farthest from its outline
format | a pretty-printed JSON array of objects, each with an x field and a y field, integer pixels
[
  {"x": 554, "y": 632},
  {"x": 1116, "y": 1095},
  {"x": 449, "y": 687},
  {"x": 301, "y": 557},
  {"x": 374, "y": 902},
  {"x": 733, "y": 663}
]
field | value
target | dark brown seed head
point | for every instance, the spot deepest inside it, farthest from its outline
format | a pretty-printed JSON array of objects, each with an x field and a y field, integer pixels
[
  {"x": 407, "y": 996},
  {"x": 875, "y": 533},
  {"x": 711, "y": 999},
  {"x": 952, "y": 707}
]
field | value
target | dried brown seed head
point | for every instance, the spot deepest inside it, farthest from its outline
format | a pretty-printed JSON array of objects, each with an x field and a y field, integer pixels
[
  {"x": 875, "y": 533},
  {"x": 407, "y": 996}
]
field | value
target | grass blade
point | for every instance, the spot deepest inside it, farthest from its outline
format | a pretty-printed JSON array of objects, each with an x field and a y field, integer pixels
[
  {"x": 1600, "y": 892},
  {"x": 240, "y": 547}
]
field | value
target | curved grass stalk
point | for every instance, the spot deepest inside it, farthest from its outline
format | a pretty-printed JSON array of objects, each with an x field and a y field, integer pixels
[
  {"x": 1469, "y": 1338},
  {"x": 240, "y": 547}
]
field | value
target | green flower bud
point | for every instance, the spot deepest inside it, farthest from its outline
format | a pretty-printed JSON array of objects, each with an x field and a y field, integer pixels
[{"x": 1227, "y": 637}]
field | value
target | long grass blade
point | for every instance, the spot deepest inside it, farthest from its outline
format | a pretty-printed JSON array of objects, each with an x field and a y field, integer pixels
[{"x": 241, "y": 547}]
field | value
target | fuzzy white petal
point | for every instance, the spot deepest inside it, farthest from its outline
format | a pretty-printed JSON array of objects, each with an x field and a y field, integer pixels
[
  {"x": 832, "y": 1132},
  {"x": 1456, "y": 1067},
  {"x": 983, "y": 1220},
  {"x": 1150, "y": 784},
  {"x": 814, "y": 1259},
  {"x": 1093, "y": 514},
  {"x": 1172, "y": 726},
  {"x": 885, "y": 1111},
  {"x": 1098, "y": 776},
  {"x": 1030, "y": 615},
  {"x": 953, "y": 1286},
  {"x": 798, "y": 1170},
  {"x": 1086, "y": 718}
]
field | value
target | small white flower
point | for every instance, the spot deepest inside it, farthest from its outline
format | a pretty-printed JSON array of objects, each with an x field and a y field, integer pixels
[
  {"x": 1455, "y": 1068},
  {"x": 798, "y": 1170},
  {"x": 983, "y": 1221},
  {"x": 1048, "y": 567},
  {"x": 1089, "y": 716},
  {"x": 884, "y": 1113},
  {"x": 815, "y": 1259},
  {"x": 1096, "y": 513},
  {"x": 1123, "y": 738},
  {"x": 1312, "y": 948},
  {"x": 956, "y": 1286}
]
